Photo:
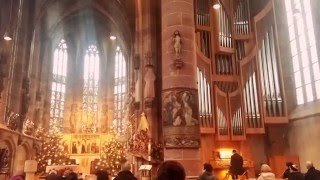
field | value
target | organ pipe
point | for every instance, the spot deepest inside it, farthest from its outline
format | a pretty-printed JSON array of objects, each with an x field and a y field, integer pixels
[
  {"x": 205, "y": 108},
  {"x": 269, "y": 76}
]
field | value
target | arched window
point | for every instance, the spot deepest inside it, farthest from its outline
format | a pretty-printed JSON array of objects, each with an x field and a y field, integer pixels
[
  {"x": 58, "y": 86},
  {"x": 120, "y": 89},
  {"x": 90, "y": 90},
  {"x": 303, "y": 50}
]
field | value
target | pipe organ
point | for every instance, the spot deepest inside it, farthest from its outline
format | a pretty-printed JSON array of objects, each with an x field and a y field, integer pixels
[{"x": 242, "y": 89}]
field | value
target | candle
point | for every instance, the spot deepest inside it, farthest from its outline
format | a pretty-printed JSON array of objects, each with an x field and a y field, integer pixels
[
  {"x": 149, "y": 148},
  {"x": 49, "y": 162}
]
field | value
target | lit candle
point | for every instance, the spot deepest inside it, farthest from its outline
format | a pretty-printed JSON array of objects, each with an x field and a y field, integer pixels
[
  {"x": 49, "y": 162},
  {"x": 149, "y": 148}
]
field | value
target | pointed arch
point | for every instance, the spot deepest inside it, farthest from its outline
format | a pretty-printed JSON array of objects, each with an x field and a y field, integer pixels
[{"x": 58, "y": 85}]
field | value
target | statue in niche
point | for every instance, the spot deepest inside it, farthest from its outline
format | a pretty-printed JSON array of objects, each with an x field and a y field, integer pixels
[
  {"x": 177, "y": 43},
  {"x": 149, "y": 78},
  {"x": 143, "y": 124},
  {"x": 73, "y": 118},
  {"x": 137, "y": 88}
]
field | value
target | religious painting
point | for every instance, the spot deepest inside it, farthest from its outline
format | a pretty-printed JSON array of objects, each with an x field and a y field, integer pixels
[
  {"x": 180, "y": 119},
  {"x": 85, "y": 144},
  {"x": 66, "y": 139}
]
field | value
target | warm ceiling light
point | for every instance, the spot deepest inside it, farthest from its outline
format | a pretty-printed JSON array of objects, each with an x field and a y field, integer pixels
[
  {"x": 6, "y": 37},
  {"x": 112, "y": 37},
  {"x": 216, "y": 6}
]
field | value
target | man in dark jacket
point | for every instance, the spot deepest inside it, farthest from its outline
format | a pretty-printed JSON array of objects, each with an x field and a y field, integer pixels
[
  {"x": 312, "y": 173},
  {"x": 236, "y": 163},
  {"x": 295, "y": 174}
]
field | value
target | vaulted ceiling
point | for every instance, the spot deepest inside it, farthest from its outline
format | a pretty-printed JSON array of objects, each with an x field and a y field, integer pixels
[{"x": 89, "y": 19}]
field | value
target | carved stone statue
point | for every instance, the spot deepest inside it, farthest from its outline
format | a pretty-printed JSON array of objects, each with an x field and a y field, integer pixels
[
  {"x": 177, "y": 43},
  {"x": 143, "y": 124},
  {"x": 12, "y": 120},
  {"x": 149, "y": 78},
  {"x": 28, "y": 127},
  {"x": 73, "y": 117}
]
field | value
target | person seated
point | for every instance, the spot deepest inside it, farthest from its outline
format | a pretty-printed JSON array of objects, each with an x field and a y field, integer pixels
[
  {"x": 102, "y": 175},
  {"x": 53, "y": 175},
  {"x": 286, "y": 173},
  {"x": 72, "y": 176},
  {"x": 312, "y": 173},
  {"x": 236, "y": 165},
  {"x": 125, "y": 173},
  {"x": 266, "y": 173},
  {"x": 208, "y": 173},
  {"x": 171, "y": 170},
  {"x": 295, "y": 174}
]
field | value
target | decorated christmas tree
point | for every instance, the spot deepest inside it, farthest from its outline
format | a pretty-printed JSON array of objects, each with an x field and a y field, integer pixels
[
  {"x": 112, "y": 156},
  {"x": 51, "y": 152}
]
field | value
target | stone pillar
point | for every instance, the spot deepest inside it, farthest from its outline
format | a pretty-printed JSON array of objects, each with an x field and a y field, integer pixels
[
  {"x": 181, "y": 131},
  {"x": 30, "y": 168}
]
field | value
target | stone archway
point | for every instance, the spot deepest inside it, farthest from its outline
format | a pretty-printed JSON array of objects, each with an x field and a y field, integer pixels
[{"x": 7, "y": 143}]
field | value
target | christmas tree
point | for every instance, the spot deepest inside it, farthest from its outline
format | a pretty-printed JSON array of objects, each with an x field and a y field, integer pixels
[
  {"x": 51, "y": 152},
  {"x": 112, "y": 156}
]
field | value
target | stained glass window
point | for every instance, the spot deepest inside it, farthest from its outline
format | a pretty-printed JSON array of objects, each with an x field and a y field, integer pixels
[
  {"x": 120, "y": 89},
  {"x": 90, "y": 90},
  {"x": 58, "y": 85},
  {"x": 303, "y": 50}
]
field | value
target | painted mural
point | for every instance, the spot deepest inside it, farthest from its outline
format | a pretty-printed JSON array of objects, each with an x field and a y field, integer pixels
[{"x": 180, "y": 119}]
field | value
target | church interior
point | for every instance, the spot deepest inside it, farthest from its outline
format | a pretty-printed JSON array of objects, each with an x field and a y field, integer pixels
[{"x": 93, "y": 84}]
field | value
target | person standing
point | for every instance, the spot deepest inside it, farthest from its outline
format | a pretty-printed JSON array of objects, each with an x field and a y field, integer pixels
[
  {"x": 312, "y": 173},
  {"x": 236, "y": 165}
]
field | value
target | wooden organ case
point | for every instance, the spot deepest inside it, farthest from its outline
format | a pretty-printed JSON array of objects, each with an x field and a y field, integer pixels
[{"x": 239, "y": 74}]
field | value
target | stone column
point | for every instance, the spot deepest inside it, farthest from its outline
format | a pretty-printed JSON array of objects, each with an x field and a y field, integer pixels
[
  {"x": 30, "y": 168},
  {"x": 181, "y": 131}
]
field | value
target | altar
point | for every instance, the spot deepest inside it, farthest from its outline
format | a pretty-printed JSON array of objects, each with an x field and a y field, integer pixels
[{"x": 84, "y": 149}]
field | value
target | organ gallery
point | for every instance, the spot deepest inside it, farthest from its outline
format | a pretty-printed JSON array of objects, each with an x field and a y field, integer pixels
[{"x": 101, "y": 85}]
